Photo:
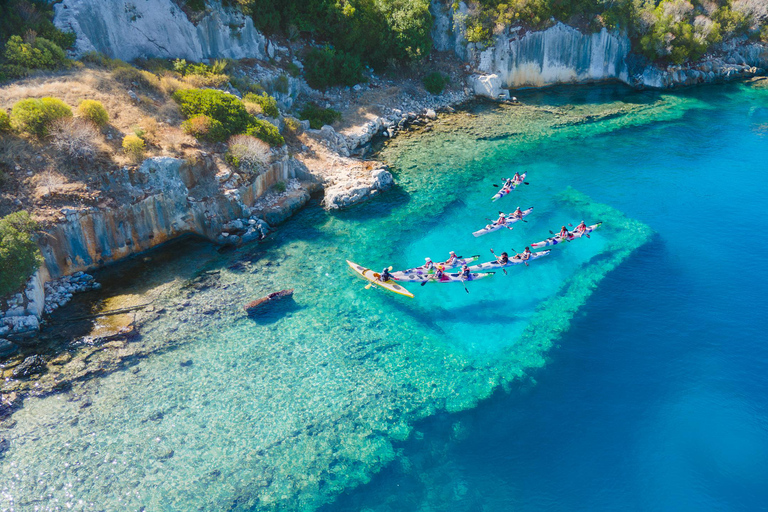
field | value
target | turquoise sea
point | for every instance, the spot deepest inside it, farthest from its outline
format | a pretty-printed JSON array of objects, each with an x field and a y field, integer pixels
[{"x": 622, "y": 372}]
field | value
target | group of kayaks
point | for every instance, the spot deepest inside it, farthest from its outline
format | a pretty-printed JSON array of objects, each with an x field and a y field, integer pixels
[{"x": 439, "y": 272}]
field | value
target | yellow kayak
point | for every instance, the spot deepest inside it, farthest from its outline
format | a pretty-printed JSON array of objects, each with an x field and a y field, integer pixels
[{"x": 370, "y": 275}]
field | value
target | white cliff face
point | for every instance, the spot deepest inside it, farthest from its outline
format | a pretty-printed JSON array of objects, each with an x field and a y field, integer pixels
[
  {"x": 560, "y": 54},
  {"x": 158, "y": 28}
]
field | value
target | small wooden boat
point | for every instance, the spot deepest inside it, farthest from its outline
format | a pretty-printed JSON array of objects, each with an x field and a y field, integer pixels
[{"x": 252, "y": 306}]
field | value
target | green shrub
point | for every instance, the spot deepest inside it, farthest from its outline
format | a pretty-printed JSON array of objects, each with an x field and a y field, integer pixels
[
  {"x": 291, "y": 124},
  {"x": 23, "y": 57},
  {"x": 267, "y": 103},
  {"x": 435, "y": 82},
  {"x": 133, "y": 146},
  {"x": 204, "y": 128},
  {"x": 224, "y": 108},
  {"x": 5, "y": 121},
  {"x": 245, "y": 85},
  {"x": 202, "y": 75},
  {"x": 35, "y": 115},
  {"x": 21, "y": 17},
  {"x": 280, "y": 187},
  {"x": 265, "y": 131},
  {"x": 19, "y": 254},
  {"x": 326, "y": 67},
  {"x": 318, "y": 116},
  {"x": 94, "y": 111},
  {"x": 293, "y": 69}
]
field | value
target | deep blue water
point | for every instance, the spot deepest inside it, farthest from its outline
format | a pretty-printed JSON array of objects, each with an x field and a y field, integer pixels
[{"x": 655, "y": 398}]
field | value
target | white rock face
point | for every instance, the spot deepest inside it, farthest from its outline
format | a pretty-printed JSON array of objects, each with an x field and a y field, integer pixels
[
  {"x": 560, "y": 54},
  {"x": 158, "y": 28},
  {"x": 347, "y": 193},
  {"x": 487, "y": 85}
]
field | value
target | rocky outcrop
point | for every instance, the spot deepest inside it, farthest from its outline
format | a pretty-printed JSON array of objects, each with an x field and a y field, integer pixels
[
  {"x": 159, "y": 28},
  {"x": 563, "y": 54},
  {"x": 346, "y": 193},
  {"x": 163, "y": 199}
]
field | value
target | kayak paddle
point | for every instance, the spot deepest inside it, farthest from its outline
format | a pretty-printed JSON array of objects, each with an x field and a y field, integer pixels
[{"x": 499, "y": 262}]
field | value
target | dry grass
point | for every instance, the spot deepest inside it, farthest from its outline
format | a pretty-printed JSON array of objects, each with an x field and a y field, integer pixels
[
  {"x": 75, "y": 137},
  {"x": 249, "y": 153}
]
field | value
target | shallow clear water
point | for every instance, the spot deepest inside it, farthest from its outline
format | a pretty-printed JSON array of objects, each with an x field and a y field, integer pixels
[{"x": 654, "y": 398}]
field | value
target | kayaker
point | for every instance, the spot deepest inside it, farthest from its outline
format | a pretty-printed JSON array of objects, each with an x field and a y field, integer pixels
[
  {"x": 508, "y": 183},
  {"x": 429, "y": 265},
  {"x": 503, "y": 259},
  {"x": 516, "y": 179},
  {"x": 439, "y": 272},
  {"x": 517, "y": 214},
  {"x": 581, "y": 228},
  {"x": 525, "y": 255},
  {"x": 564, "y": 233},
  {"x": 384, "y": 276},
  {"x": 465, "y": 273},
  {"x": 452, "y": 259},
  {"x": 501, "y": 220}
]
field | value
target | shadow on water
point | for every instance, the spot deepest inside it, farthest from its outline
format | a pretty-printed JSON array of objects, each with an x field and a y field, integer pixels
[{"x": 273, "y": 311}]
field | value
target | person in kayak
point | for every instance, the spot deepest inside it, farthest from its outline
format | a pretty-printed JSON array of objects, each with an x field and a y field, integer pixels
[
  {"x": 384, "y": 276},
  {"x": 516, "y": 179},
  {"x": 517, "y": 214},
  {"x": 564, "y": 233},
  {"x": 465, "y": 273},
  {"x": 501, "y": 220},
  {"x": 503, "y": 259},
  {"x": 429, "y": 265},
  {"x": 452, "y": 259},
  {"x": 439, "y": 272},
  {"x": 581, "y": 228},
  {"x": 525, "y": 255}
]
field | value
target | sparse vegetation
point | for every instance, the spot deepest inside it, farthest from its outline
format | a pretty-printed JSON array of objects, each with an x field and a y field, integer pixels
[
  {"x": 75, "y": 137},
  {"x": 291, "y": 125},
  {"x": 134, "y": 146},
  {"x": 248, "y": 153},
  {"x": 267, "y": 103},
  {"x": 318, "y": 116},
  {"x": 280, "y": 187},
  {"x": 19, "y": 255},
  {"x": 5, "y": 122},
  {"x": 202, "y": 75},
  {"x": 93, "y": 111},
  {"x": 229, "y": 111},
  {"x": 34, "y": 116},
  {"x": 435, "y": 82},
  {"x": 204, "y": 128}
]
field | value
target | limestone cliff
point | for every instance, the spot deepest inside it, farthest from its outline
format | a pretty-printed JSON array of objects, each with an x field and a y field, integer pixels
[{"x": 159, "y": 28}]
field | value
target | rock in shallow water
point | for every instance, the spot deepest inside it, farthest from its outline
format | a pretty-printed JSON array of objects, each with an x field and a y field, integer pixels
[{"x": 31, "y": 365}]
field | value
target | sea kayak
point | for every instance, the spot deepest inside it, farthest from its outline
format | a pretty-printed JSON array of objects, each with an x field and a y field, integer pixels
[
  {"x": 400, "y": 275},
  {"x": 572, "y": 235},
  {"x": 373, "y": 277},
  {"x": 495, "y": 225},
  {"x": 447, "y": 278},
  {"x": 506, "y": 190},
  {"x": 512, "y": 261}
]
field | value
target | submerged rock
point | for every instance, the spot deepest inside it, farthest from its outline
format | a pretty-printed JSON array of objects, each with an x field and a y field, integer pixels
[
  {"x": 31, "y": 365},
  {"x": 7, "y": 348}
]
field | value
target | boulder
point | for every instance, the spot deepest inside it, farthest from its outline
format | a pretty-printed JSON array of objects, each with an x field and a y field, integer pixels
[{"x": 486, "y": 85}]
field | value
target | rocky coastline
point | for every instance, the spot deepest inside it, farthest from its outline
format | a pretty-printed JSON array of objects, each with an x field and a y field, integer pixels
[{"x": 166, "y": 198}]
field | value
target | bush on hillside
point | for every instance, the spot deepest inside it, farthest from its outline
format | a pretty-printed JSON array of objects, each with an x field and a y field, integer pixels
[
  {"x": 22, "y": 17},
  {"x": 204, "y": 128},
  {"x": 202, "y": 75},
  {"x": 77, "y": 138},
  {"x": 19, "y": 255},
  {"x": 326, "y": 67},
  {"x": 267, "y": 103},
  {"x": 133, "y": 146},
  {"x": 248, "y": 153},
  {"x": 132, "y": 77},
  {"x": 318, "y": 116},
  {"x": 435, "y": 82},
  {"x": 35, "y": 115},
  {"x": 93, "y": 111},
  {"x": 22, "y": 57},
  {"x": 5, "y": 122},
  {"x": 224, "y": 108},
  {"x": 265, "y": 131}
]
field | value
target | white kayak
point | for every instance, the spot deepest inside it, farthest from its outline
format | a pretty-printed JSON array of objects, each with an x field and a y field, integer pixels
[
  {"x": 572, "y": 235},
  {"x": 423, "y": 270},
  {"x": 506, "y": 190},
  {"x": 447, "y": 278},
  {"x": 490, "y": 228},
  {"x": 491, "y": 265}
]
